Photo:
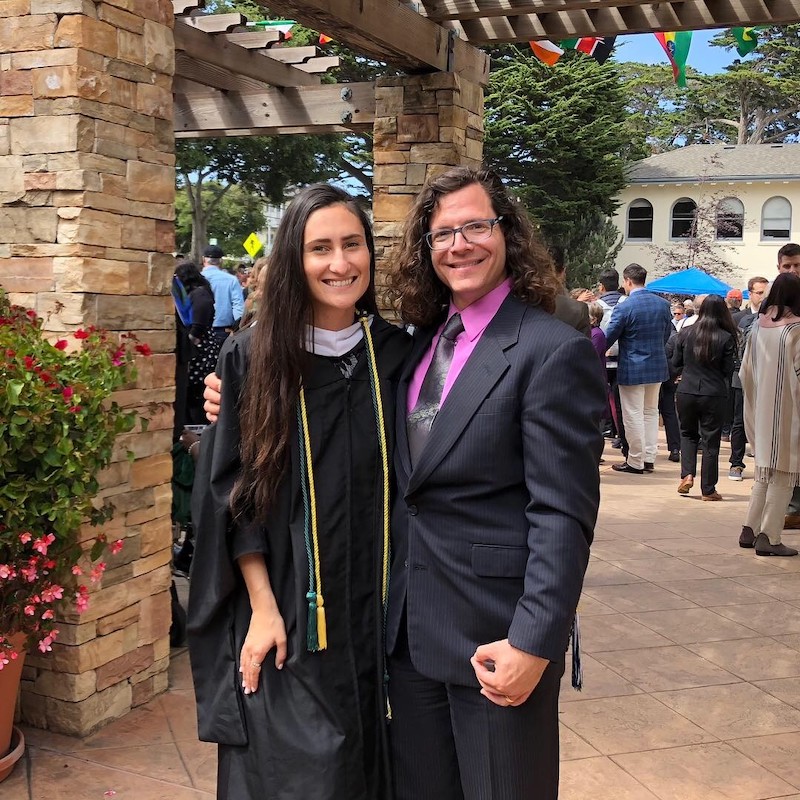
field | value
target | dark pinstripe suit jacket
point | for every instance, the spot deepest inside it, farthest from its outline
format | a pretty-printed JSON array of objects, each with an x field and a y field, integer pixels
[{"x": 491, "y": 528}]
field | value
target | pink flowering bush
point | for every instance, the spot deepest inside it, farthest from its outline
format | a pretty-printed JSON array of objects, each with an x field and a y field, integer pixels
[{"x": 57, "y": 431}]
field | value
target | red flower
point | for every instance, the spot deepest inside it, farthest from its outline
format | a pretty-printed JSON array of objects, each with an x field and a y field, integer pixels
[
  {"x": 29, "y": 362},
  {"x": 74, "y": 409},
  {"x": 67, "y": 392},
  {"x": 10, "y": 353},
  {"x": 61, "y": 344},
  {"x": 81, "y": 334},
  {"x": 144, "y": 349},
  {"x": 30, "y": 313}
]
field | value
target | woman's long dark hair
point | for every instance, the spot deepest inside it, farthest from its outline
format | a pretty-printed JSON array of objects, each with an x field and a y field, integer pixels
[
  {"x": 190, "y": 276},
  {"x": 277, "y": 350},
  {"x": 713, "y": 320},
  {"x": 784, "y": 296}
]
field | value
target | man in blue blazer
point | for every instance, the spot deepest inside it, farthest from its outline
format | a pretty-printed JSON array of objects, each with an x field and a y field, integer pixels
[
  {"x": 495, "y": 507},
  {"x": 642, "y": 326}
]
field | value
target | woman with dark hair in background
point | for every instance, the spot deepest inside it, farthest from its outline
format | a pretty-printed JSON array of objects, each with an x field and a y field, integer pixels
[
  {"x": 291, "y": 503},
  {"x": 771, "y": 387},
  {"x": 705, "y": 356},
  {"x": 196, "y": 348}
]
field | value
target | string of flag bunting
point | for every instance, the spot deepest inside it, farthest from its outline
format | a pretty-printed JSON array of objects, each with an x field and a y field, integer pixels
[{"x": 676, "y": 46}]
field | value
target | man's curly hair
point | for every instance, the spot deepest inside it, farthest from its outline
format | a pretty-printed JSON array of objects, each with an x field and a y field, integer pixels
[{"x": 413, "y": 286}]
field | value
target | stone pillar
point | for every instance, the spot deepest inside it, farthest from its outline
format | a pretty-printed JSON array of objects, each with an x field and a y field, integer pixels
[
  {"x": 424, "y": 124},
  {"x": 86, "y": 235}
]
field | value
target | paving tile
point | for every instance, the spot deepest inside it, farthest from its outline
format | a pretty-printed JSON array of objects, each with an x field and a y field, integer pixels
[
  {"x": 598, "y": 681},
  {"x": 733, "y": 711},
  {"x": 180, "y": 670},
  {"x": 200, "y": 760},
  {"x": 63, "y": 777},
  {"x": 656, "y": 669},
  {"x": 644, "y": 532},
  {"x": 624, "y": 549},
  {"x": 589, "y": 607},
  {"x": 766, "y": 618},
  {"x": 735, "y": 564},
  {"x": 713, "y": 592},
  {"x": 572, "y": 746},
  {"x": 162, "y": 760},
  {"x": 601, "y": 573},
  {"x": 617, "y": 632},
  {"x": 785, "y": 689},
  {"x": 707, "y": 771},
  {"x": 179, "y": 708},
  {"x": 686, "y": 546},
  {"x": 599, "y": 779},
  {"x": 790, "y": 640},
  {"x": 751, "y": 659},
  {"x": 629, "y": 724},
  {"x": 665, "y": 568},
  {"x": 781, "y": 587},
  {"x": 689, "y": 625},
  {"x": 777, "y": 753},
  {"x": 637, "y": 597},
  {"x": 145, "y": 725}
]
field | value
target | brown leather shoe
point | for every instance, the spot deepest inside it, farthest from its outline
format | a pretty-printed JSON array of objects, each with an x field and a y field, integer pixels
[
  {"x": 686, "y": 484},
  {"x": 791, "y": 522},
  {"x": 764, "y": 548},
  {"x": 713, "y": 497}
]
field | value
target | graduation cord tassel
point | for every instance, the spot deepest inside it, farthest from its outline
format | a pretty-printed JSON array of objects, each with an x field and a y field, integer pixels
[
  {"x": 577, "y": 668},
  {"x": 380, "y": 425},
  {"x": 317, "y": 633}
]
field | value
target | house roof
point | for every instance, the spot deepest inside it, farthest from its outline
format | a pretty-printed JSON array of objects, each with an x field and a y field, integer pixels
[{"x": 741, "y": 162}]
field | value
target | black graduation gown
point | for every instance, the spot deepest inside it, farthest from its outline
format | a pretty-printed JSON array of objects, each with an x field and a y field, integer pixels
[{"x": 314, "y": 730}]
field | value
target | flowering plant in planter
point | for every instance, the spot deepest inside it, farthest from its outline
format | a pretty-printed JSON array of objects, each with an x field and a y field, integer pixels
[{"x": 57, "y": 430}]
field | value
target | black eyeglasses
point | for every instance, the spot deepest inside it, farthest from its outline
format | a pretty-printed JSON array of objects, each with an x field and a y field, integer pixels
[{"x": 477, "y": 231}]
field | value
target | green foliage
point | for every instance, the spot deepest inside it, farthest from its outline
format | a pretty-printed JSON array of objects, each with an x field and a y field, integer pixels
[
  {"x": 57, "y": 431},
  {"x": 238, "y": 214},
  {"x": 556, "y": 136}
]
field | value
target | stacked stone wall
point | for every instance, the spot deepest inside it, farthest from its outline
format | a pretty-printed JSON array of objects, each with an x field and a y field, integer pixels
[
  {"x": 424, "y": 124},
  {"x": 87, "y": 186}
]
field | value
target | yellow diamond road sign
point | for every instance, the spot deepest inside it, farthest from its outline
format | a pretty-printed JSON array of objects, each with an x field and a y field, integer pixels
[{"x": 252, "y": 244}]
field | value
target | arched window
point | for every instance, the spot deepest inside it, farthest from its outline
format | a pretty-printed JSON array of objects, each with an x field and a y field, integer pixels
[
  {"x": 730, "y": 218},
  {"x": 640, "y": 220},
  {"x": 776, "y": 219},
  {"x": 684, "y": 214}
]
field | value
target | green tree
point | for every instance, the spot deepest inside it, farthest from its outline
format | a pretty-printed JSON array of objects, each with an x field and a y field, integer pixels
[
  {"x": 556, "y": 136},
  {"x": 756, "y": 100},
  {"x": 263, "y": 165},
  {"x": 238, "y": 214}
]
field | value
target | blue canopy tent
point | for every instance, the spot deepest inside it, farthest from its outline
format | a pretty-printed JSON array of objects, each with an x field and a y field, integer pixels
[{"x": 689, "y": 281}]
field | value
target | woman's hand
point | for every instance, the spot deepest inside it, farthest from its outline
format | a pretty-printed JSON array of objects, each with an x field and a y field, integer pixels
[
  {"x": 265, "y": 632},
  {"x": 212, "y": 396}
]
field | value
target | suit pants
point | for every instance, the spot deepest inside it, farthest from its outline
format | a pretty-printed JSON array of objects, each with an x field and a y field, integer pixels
[
  {"x": 738, "y": 438},
  {"x": 701, "y": 419},
  {"x": 666, "y": 407},
  {"x": 448, "y": 742},
  {"x": 640, "y": 414}
]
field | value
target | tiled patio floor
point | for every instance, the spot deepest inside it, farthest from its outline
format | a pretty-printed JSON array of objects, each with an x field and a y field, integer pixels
[{"x": 691, "y": 661}]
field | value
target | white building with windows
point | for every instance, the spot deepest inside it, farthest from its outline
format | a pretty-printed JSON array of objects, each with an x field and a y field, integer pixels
[{"x": 741, "y": 201}]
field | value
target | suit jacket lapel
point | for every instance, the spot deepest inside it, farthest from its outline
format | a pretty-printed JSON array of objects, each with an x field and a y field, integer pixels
[{"x": 485, "y": 366}]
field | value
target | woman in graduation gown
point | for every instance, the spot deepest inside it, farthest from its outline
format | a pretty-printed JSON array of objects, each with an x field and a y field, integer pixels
[{"x": 291, "y": 504}]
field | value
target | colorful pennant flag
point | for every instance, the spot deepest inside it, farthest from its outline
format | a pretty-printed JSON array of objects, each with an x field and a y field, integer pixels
[
  {"x": 323, "y": 39},
  {"x": 746, "y": 39},
  {"x": 546, "y": 51},
  {"x": 283, "y": 25},
  {"x": 598, "y": 47},
  {"x": 676, "y": 45}
]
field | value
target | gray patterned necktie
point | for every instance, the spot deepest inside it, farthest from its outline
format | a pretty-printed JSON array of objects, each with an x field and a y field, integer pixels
[{"x": 421, "y": 418}]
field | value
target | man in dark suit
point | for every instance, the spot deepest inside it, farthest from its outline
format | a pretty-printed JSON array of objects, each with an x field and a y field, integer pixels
[
  {"x": 497, "y": 495},
  {"x": 569, "y": 310},
  {"x": 642, "y": 325}
]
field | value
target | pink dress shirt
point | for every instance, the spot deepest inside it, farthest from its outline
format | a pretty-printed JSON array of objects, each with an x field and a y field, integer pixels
[{"x": 475, "y": 318}]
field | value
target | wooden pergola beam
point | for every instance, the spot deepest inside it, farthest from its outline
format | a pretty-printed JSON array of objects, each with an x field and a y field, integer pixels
[
  {"x": 389, "y": 31},
  {"x": 224, "y": 55},
  {"x": 202, "y": 112},
  {"x": 610, "y": 20}
]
